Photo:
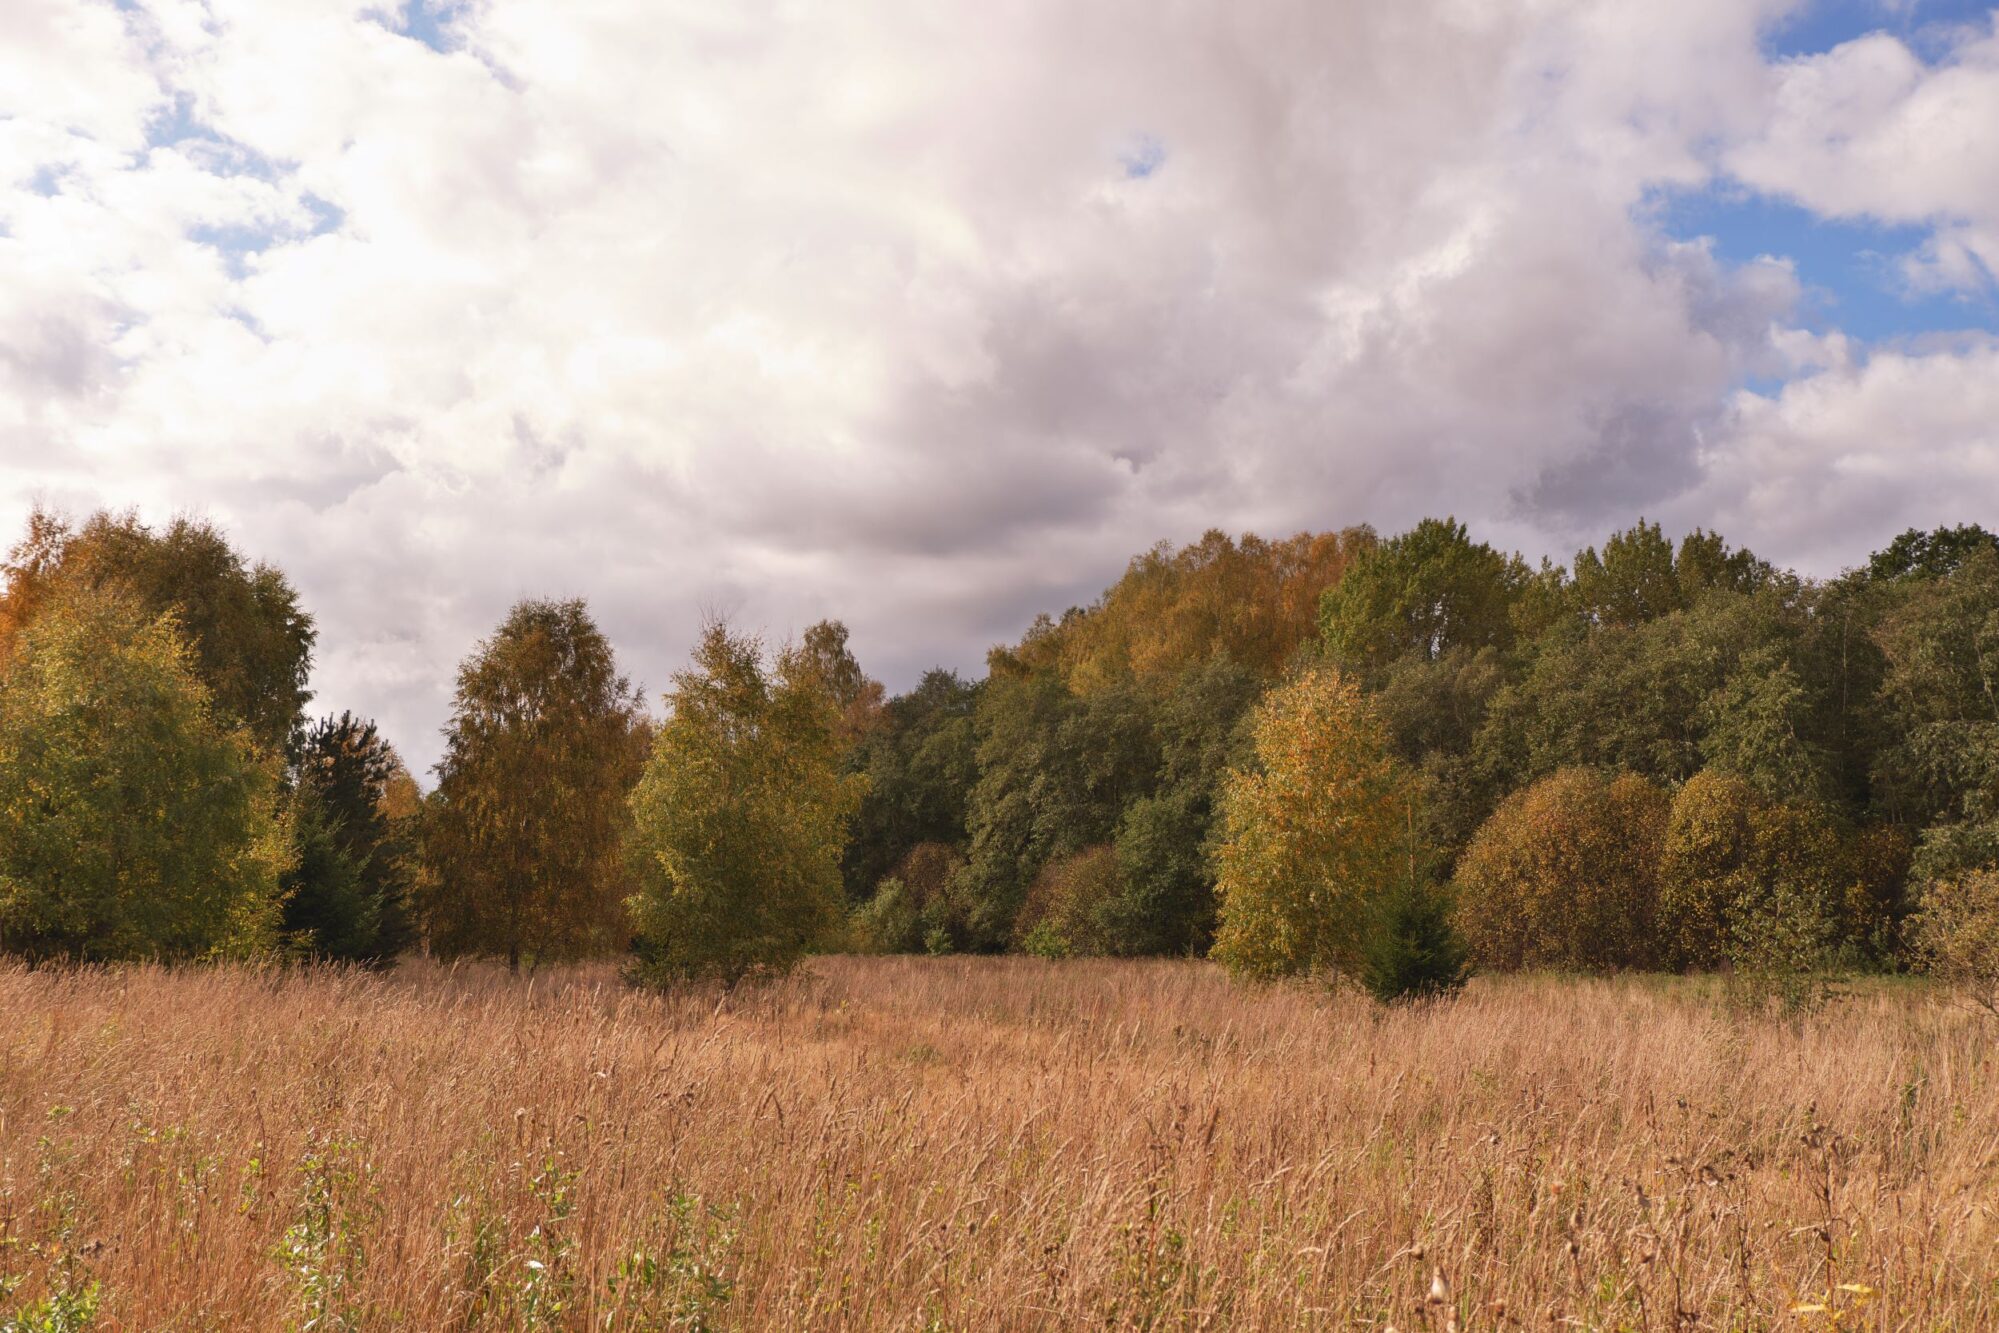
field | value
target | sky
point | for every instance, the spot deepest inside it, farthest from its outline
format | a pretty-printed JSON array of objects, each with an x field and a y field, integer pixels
[{"x": 928, "y": 317}]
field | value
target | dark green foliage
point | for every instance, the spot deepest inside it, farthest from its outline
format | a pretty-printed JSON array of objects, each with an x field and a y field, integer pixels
[
  {"x": 1435, "y": 712},
  {"x": 327, "y": 911},
  {"x": 1645, "y": 696},
  {"x": 1412, "y": 951},
  {"x": 348, "y": 896},
  {"x": 1055, "y": 774},
  {"x": 1930, "y": 555},
  {"x": 1941, "y": 689},
  {"x": 921, "y": 760},
  {"x": 1129, "y": 765}
]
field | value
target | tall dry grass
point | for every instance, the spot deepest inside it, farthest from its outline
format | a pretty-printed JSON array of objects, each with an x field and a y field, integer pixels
[{"x": 903, "y": 1143}]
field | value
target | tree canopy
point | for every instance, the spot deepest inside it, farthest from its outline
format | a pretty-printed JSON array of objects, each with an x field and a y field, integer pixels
[
  {"x": 523, "y": 837},
  {"x": 1319, "y": 826},
  {"x": 739, "y": 819},
  {"x": 134, "y": 821},
  {"x": 249, "y": 640}
]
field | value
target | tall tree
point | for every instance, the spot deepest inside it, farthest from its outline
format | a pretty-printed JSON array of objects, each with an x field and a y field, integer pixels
[
  {"x": 522, "y": 838},
  {"x": 134, "y": 823},
  {"x": 349, "y": 897},
  {"x": 1423, "y": 593},
  {"x": 1634, "y": 580},
  {"x": 1252, "y": 600},
  {"x": 1941, "y": 690},
  {"x": 825, "y": 657},
  {"x": 1055, "y": 773},
  {"x": 251, "y": 643},
  {"x": 1930, "y": 555},
  {"x": 1312, "y": 834},
  {"x": 738, "y": 821}
]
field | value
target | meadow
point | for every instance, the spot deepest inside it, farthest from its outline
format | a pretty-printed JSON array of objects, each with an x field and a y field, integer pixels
[{"x": 984, "y": 1143}]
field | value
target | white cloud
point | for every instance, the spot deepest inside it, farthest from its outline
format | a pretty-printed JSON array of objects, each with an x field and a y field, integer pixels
[
  {"x": 859, "y": 309},
  {"x": 1869, "y": 130},
  {"x": 1836, "y": 463}
]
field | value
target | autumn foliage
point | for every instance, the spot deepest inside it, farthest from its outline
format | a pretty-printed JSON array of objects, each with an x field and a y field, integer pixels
[
  {"x": 1565, "y": 875},
  {"x": 1310, "y": 832}
]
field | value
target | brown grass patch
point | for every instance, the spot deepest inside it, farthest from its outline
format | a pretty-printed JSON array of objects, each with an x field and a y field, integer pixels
[{"x": 977, "y": 1143}]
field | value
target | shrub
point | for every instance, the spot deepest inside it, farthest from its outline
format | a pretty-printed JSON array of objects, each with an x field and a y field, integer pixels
[
  {"x": 1764, "y": 884},
  {"x": 1071, "y": 904},
  {"x": 915, "y": 910},
  {"x": 1413, "y": 952},
  {"x": 1565, "y": 875},
  {"x": 1956, "y": 934},
  {"x": 887, "y": 922},
  {"x": 1707, "y": 870}
]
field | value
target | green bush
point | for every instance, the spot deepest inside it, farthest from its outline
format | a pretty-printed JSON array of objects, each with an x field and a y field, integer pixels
[{"x": 1412, "y": 950}]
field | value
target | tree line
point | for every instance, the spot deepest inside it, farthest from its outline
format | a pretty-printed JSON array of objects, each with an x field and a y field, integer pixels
[{"x": 1385, "y": 758}]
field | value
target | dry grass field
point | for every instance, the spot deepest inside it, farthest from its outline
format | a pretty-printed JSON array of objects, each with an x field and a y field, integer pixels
[{"x": 984, "y": 1143}]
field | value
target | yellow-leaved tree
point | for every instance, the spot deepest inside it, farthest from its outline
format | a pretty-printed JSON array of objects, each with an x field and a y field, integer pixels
[
  {"x": 134, "y": 822},
  {"x": 1312, "y": 833},
  {"x": 740, "y": 818}
]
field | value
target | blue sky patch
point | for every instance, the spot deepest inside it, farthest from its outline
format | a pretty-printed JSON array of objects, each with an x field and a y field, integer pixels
[
  {"x": 1145, "y": 154},
  {"x": 1820, "y": 25},
  {"x": 1850, "y": 269},
  {"x": 426, "y": 21}
]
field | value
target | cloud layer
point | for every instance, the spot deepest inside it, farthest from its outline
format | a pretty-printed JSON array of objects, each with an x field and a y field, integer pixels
[{"x": 928, "y": 317}]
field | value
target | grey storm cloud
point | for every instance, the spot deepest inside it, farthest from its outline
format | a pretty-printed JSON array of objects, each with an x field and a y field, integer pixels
[{"x": 931, "y": 317}]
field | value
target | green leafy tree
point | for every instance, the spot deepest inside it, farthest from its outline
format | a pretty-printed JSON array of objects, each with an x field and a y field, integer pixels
[
  {"x": 1056, "y": 772},
  {"x": 134, "y": 823},
  {"x": 921, "y": 762},
  {"x": 1634, "y": 580},
  {"x": 1163, "y": 840},
  {"x": 1916, "y": 554},
  {"x": 1435, "y": 712},
  {"x": 1941, "y": 692},
  {"x": 1311, "y": 833},
  {"x": 1565, "y": 875},
  {"x": 249, "y": 640},
  {"x": 1422, "y": 594},
  {"x": 1706, "y": 562},
  {"x": 1643, "y": 697},
  {"x": 824, "y": 655},
  {"x": 1758, "y": 724},
  {"x": 738, "y": 821},
  {"x": 523, "y": 838}
]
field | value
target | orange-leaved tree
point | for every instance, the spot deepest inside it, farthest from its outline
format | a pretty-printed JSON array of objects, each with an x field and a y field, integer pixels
[
  {"x": 1565, "y": 875},
  {"x": 1312, "y": 833}
]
